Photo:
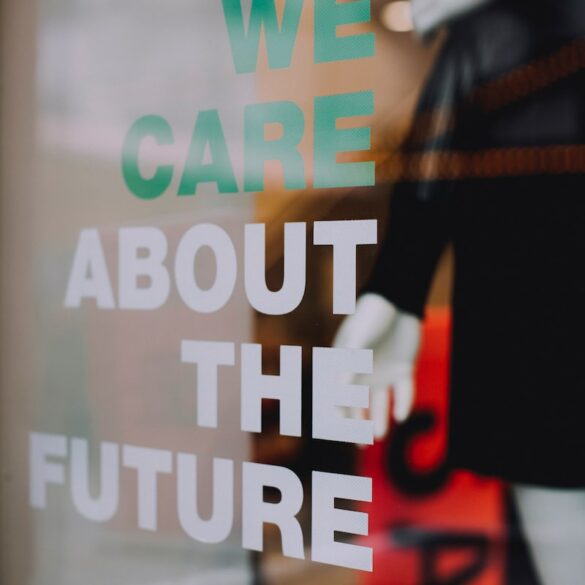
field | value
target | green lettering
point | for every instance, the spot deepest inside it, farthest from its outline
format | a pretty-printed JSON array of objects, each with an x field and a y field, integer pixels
[
  {"x": 329, "y": 141},
  {"x": 279, "y": 42},
  {"x": 329, "y": 14},
  {"x": 138, "y": 185},
  {"x": 208, "y": 131},
  {"x": 284, "y": 149}
]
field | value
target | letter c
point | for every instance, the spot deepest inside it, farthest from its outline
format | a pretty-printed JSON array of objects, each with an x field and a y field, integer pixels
[{"x": 155, "y": 186}]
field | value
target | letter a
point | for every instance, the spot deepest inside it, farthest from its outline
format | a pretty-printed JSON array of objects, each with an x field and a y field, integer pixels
[{"x": 89, "y": 277}]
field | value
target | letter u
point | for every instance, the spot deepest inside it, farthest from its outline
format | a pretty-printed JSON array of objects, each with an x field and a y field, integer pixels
[
  {"x": 219, "y": 526},
  {"x": 102, "y": 508}
]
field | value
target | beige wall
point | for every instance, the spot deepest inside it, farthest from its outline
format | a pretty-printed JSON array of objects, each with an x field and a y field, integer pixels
[{"x": 17, "y": 55}]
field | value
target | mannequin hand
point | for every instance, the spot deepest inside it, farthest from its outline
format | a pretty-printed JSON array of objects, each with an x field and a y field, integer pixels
[{"x": 394, "y": 336}]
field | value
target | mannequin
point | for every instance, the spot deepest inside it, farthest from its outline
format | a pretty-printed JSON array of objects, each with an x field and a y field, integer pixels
[
  {"x": 430, "y": 15},
  {"x": 497, "y": 226},
  {"x": 553, "y": 520},
  {"x": 394, "y": 336}
]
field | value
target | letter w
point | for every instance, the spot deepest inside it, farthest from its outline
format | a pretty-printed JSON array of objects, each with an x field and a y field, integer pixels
[{"x": 279, "y": 41}]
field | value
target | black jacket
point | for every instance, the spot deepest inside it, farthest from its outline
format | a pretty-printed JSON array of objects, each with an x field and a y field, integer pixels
[{"x": 495, "y": 165}]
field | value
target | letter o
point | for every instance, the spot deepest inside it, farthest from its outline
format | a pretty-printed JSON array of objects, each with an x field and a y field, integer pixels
[{"x": 214, "y": 298}]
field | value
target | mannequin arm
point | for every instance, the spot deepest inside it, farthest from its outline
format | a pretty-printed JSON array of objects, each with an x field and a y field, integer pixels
[
  {"x": 430, "y": 15},
  {"x": 394, "y": 336}
]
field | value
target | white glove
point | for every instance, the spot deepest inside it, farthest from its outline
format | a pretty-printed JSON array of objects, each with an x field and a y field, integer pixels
[
  {"x": 394, "y": 336},
  {"x": 430, "y": 15}
]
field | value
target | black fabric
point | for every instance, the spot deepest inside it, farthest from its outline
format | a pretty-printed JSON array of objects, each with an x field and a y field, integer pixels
[
  {"x": 517, "y": 375},
  {"x": 520, "y": 568}
]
